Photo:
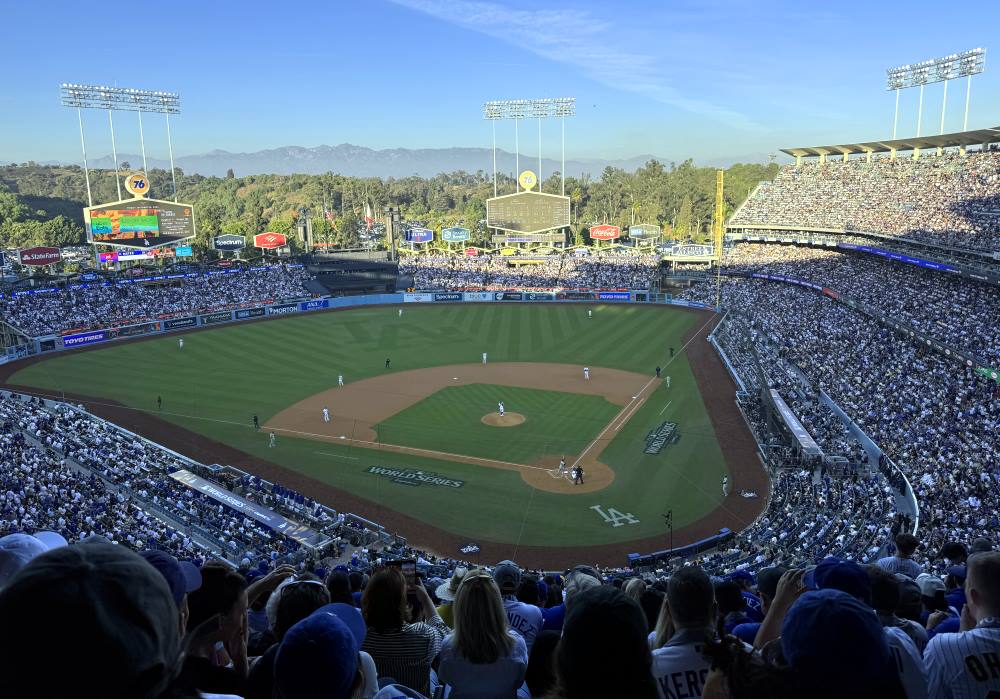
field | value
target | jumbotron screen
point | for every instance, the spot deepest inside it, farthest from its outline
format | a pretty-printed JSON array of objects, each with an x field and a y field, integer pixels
[
  {"x": 527, "y": 212},
  {"x": 140, "y": 223}
]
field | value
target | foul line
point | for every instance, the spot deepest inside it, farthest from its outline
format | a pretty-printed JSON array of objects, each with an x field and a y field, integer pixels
[
  {"x": 336, "y": 456},
  {"x": 666, "y": 406},
  {"x": 630, "y": 408}
]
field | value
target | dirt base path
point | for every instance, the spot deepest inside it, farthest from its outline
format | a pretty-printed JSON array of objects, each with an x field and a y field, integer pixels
[{"x": 356, "y": 408}]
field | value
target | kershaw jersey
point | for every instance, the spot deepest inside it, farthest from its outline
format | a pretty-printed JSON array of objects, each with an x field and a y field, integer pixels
[
  {"x": 965, "y": 665},
  {"x": 680, "y": 668}
]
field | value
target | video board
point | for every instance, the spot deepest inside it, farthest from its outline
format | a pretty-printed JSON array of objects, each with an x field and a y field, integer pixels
[
  {"x": 527, "y": 212},
  {"x": 139, "y": 223}
]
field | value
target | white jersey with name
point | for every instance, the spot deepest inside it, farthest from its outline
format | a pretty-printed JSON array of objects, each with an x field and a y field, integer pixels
[
  {"x": 525, "y": 619},
  {"x": 907, "y": 661},
  {"x": 965, "y": 664},
  {"x": 680, "y": 666}
]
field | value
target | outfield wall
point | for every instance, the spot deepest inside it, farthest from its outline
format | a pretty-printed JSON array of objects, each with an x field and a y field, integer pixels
[{"x": 251, "y": 311}]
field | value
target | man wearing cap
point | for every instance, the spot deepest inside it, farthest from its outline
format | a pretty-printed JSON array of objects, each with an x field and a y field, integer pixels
[
  {"x": 767, "y": 586},
  {"x": 17, "y": 550},
  {"x": 182, "y": 577},
  {"x": 525, "y": 619},
  {"x": 446, "y": 593},
  {"x": 967, "y": 664}
]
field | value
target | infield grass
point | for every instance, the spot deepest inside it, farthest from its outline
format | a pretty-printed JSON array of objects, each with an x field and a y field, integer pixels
[{"x": 225, "y": 375}]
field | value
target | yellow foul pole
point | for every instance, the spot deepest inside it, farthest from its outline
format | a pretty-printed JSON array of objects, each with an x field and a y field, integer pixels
[{"x": 719, "y": 228}]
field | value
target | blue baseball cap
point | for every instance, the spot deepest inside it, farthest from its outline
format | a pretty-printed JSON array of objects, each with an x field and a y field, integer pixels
[
  {"x": 838, "y": 574},
  {"x": 182, "y": 576},
  {"x": 828, "y": 633},
  {"x": 317, "y": 657}
]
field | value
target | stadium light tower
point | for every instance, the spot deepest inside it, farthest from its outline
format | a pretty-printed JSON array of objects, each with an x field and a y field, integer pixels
[
  {"x": 956, "y": 65},
  {"x": 560, "y": 107},
  {"x": 121, "y": 99}
]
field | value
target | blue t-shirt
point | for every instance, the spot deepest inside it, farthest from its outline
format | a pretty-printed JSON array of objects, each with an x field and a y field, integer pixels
[{"x": 553, "y": 618}]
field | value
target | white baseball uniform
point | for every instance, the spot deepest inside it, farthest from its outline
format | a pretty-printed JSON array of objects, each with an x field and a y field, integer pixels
[
  {"x": 500, "y": 408},
  {"x": 668, "y": 382},
  {"x": 484, "y": 358},
  {"x": 326, "y": 415},
  {"x": 965, "y": 664},
  {"x": 270, "y": 440},
  {"x": 590, "y": 314},
  {"x": 400, "y": 312},
  {"x": 180, "y": 343},
  {"x": 725, "y": 486},
  {"x": 586, "y": 373},
  {"x": 340, "y": 379}
]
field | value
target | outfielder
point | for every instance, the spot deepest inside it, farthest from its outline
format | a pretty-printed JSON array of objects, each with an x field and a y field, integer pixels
[
  {"x": 326, "y": 414},
  {"x": 725, "y": 486},
  {"x": 967, "y": 663},
  {"x": 586, "y": 373},
  {"x": 590, "y": 313},
  {"x": 400, "y": 312},
  {"x": 668, "y": 382},
  {"x": 270, "y": 440},
  {"x": 500, "y": 408},
  {"x": 484, "y": 359},
  {"x": 180, "y": 343},
  {"x": 340, "y": 379}
]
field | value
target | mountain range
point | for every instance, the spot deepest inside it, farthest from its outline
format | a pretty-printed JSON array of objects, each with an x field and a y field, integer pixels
[{"x": 358, "y": 161}]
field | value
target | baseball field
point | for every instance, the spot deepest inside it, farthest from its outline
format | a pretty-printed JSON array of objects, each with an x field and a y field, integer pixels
[{"x": 420, "y": 445}]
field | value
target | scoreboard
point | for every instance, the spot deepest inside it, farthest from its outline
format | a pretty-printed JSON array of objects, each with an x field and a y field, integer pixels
[
  {"x": 139, "y": 223},
  {"x": 527, "y": 212}
]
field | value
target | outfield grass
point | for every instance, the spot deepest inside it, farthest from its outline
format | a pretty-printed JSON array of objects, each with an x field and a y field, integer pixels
[
  {"x": 222, "y": 377},
  {"x": 450, "y": 420}
]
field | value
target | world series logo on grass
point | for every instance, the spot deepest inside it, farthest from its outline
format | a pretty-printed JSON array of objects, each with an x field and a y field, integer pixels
[{"x": 410, "y": 476}]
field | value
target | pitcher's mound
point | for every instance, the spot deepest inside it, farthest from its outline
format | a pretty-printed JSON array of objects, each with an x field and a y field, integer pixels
[{"x": 505, "y": 420}]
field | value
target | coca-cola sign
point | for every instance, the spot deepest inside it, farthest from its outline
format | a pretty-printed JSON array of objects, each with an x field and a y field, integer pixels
[
  {"x": 269, "y": 241},
  {"x": 605, "y": 232},
  {"x": 39, "y": 256}
]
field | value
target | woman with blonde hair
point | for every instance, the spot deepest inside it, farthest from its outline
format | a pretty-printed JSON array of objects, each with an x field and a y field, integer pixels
[{"x": 483, "y": 658}]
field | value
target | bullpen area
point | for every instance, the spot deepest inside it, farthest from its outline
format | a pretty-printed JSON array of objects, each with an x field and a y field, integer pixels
[{"x": 414, "y": 438}]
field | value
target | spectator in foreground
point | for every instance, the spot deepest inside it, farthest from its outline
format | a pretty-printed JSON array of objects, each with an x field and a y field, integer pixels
[
  {"x": 965, "y": 664},
  {"x": 541, "y": 674},
  {"x": 686, "y": 625},
  {"x": 182, "y": 577},
  {"x": 525, "y": 619},
  {"x": 902, "y": 561},
  {"x": 90, "y": 620},
  {"x": 483, "y": 658},
  {"x": 402, "y": 651},
  {"x": 17, "y": 550},
  {"x": 767, "y": 587},
  {"x": 446, "y": 593},
  {"x": 603, "y": 651}
]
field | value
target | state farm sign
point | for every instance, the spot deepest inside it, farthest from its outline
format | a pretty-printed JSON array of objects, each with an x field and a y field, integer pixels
[
  {"x": 605, "y": 232},
  {"x": 39, "y": 257},
  {"x": 269, "y": 241}
]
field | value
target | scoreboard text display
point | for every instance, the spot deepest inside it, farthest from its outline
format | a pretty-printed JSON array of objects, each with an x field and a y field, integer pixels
[
  {"x": 527, "y": 212},
  {"x": 139, "y": 223}
]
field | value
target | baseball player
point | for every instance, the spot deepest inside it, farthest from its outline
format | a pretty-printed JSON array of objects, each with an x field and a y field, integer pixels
[
  {"x": 400, "y": 312},
  {"x": 967, "y": 663},
  {"x": 590, "y": 313},
  {"x": 578, "y": 475},
  {"x": 667, "y": 381},
  {"x": 484, "y": 359},
  {"x": 562, "y": 465},
  {"x": 500, "y": 408},
  {"x": 270, "y": 440},
  {"x": 256, "y": 422},
  {"x": 326, "y": 414},
  {"x": 725, "y": 486},
  {"x": 657, "y": 372},
  {"x": 159, "y": 402},
  {"x": 340, "y": 379},
  {"x": 180, "y": 343},
  {"x": 586, "y": 373},
  {"x": 386, "y": 362}
]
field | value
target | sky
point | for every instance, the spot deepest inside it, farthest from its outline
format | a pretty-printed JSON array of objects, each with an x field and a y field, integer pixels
[{"x": 709, "y": 80}]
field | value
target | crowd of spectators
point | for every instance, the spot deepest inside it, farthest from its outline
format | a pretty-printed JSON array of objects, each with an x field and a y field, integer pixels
[
  {"x": 951, "y": 200},
  {"x": 599, "y": 270},
  {"x": 94, "y": 306}
]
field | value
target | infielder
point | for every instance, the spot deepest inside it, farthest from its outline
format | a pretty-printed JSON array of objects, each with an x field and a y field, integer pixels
[
  {"x": 326, "y": 414},
  {"x": 270, "y": 440},
  {"x": 180, "y": 343},
  {"x": 725, "y": 486},
  {"x": 500, "y": 408},
  {"x": 340, "y": 379},
  {"x": 586, "y": 373},
  {"x": 484, "y": 359},
  {"x": 400, "y": 312},
  {"x": 668, "y": 382},
  {"x": 590, "y": 313},
  {"x": 967, "y": 663}
]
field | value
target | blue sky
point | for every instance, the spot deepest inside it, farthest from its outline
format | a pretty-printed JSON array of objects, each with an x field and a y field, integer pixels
[{"x": 708, "y": 80}]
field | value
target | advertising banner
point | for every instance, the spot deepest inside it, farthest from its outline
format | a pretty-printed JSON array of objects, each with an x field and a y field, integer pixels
[
  {"x": 249, "y": 313},
  {"x": 507, "y": 296},
  {"x": 419, "y": 235},
  {"x": 477, "y": 296},
  {"x": 185, "y": 251},
  {"x": 605, "y": 232},
  {"x": 418, "y": 298},
  {"x": 175, "y": 323},
  {"x": 229, "y": 243},
  {"x": 220, "y": 317},
  {"x": 539, "y": 296},
  {"x": 84, "y": 338},
  {"x": 898, "y": 257},
  {"x": 644, "y": 231},
  {"x": 269, "y": 241},
  {"x": 139, "y": 223},
  {"x": 314, "y": 304},
  {"x": 471, "y": 252},
  {"x": 450, "y": 296},
  {"x": 283, "y": 309},
  {"x": 613, "y": 295},
  {"x": 268, "y": 518},
  {"x": 141, "y": 329},
  {"x": 455, "y": 234},
  {"x": 108, "y": 257},
  {"x": 575, "y": 296},
  {"x": 39, "y": 256}
]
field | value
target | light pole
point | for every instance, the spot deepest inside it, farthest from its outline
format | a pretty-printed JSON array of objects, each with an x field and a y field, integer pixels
[{"x": 561, "y": 107}]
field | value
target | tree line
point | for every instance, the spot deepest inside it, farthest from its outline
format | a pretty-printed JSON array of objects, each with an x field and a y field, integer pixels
[{"x": 42, "y": 205}]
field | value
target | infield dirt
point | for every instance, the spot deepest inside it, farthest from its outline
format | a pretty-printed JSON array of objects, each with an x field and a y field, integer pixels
[{"x": 356, "y": 408}]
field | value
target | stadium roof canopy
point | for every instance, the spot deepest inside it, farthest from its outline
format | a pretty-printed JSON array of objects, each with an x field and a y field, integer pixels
[{"x": 948, "y": 140}]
